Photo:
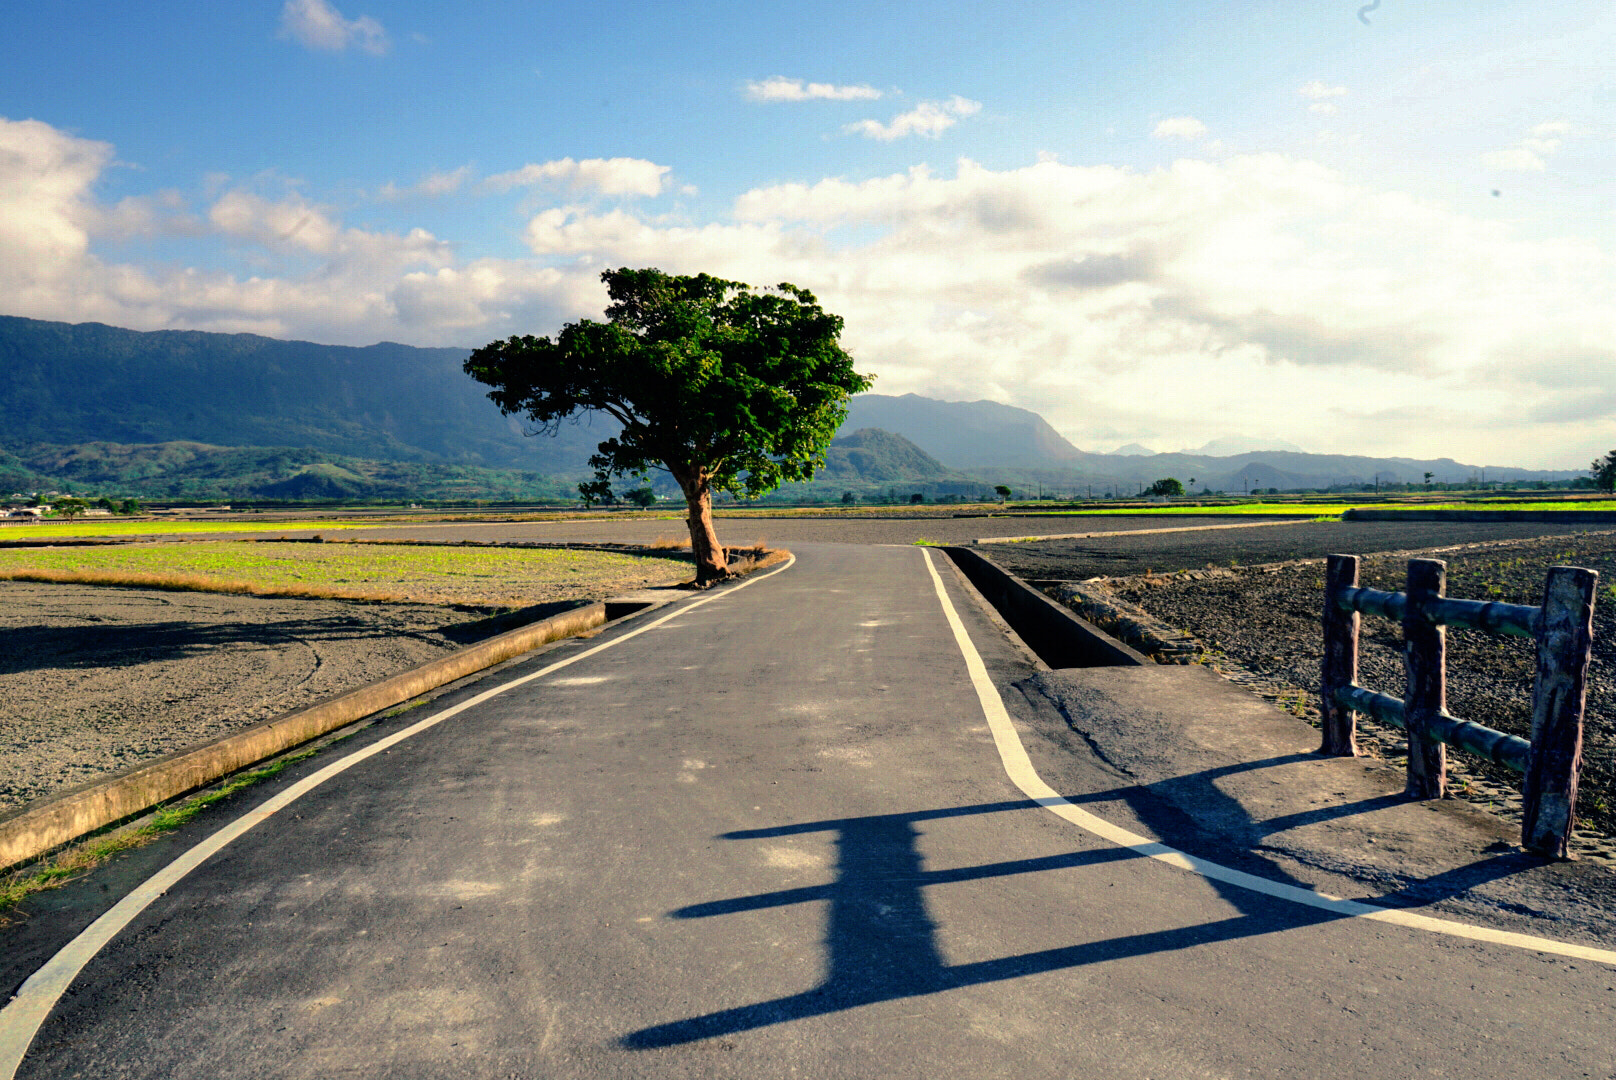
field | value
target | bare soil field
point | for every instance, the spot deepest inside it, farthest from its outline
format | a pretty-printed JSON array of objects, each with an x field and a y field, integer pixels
[
  {"x": 95, "y": 679},
  {"x": 1267, "y": 621}
]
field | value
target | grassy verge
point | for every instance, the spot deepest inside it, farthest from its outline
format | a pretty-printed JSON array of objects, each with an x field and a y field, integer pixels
[{"x": 395, "y": 573}]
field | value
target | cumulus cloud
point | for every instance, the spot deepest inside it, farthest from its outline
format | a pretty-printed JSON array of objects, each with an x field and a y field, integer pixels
[
  {"x": 1262, "y": 287},
  {"x": 780, "y": 88},
  {"x": 608, "y": 176},
  {"x": 1532, "y": 152},
  {"x": 1179, "y": 127},
  {"x": 315, "y": 24},
  {"x": 929, "y": 120},
  {"x": 1247, "y": 285}
]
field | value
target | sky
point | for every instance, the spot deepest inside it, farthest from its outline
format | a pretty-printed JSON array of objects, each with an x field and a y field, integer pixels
[{"x": 1383, "y": 227}]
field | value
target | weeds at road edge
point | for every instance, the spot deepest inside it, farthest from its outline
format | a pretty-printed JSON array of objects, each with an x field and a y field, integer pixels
[{"x": 77, "y": 860}]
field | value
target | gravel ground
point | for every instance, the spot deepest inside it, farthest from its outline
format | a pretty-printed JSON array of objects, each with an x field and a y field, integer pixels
[
  {"x": 95, "y": 679},
  {"x": 1267, "y": 621}
]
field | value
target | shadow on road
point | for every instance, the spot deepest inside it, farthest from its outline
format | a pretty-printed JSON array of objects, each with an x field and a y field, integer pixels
[{"x": 880, "y": 939}]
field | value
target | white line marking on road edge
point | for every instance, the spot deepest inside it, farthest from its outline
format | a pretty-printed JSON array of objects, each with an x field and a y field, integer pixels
[
  {"x": 1019, "y": 767},
  {"x": 21, "y": 1017}
]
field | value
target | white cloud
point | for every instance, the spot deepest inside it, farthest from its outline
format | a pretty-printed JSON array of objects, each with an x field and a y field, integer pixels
[
  {"x": 1318, "y": 90},
  {"x": 1179, "y": 127},
  {"x": 780, "y": 88},
  {"x": 1263, "y": 288},
  {"x": 431, "y": 185},
  {"x": 929, "y": 120},
  {"x": 1532, "y": 152},
  {"x": 608, "y": 176},
  {"x": 315, "y": 24},
  {"x": 1260, "y": 286}
]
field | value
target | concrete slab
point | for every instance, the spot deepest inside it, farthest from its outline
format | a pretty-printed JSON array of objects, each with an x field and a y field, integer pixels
[{"x": 1212, "y": 769}]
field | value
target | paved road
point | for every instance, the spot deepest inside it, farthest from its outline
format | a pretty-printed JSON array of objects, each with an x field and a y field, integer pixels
[{"x": 771, "y": 836}]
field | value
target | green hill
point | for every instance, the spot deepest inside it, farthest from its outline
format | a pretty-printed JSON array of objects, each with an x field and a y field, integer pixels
[
  {"x": 64, "y": 384},
  {"x": 193, "y": 471}
]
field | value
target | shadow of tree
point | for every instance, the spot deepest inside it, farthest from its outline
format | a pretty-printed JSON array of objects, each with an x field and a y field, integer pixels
[{"x": 116, "y": 645}]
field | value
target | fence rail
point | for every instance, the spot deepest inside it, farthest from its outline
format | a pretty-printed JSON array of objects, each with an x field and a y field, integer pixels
[{"x": 1563, "y": 630}]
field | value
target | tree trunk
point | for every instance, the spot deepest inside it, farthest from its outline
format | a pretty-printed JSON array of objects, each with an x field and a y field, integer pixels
[{"x": 711, "y": 565}]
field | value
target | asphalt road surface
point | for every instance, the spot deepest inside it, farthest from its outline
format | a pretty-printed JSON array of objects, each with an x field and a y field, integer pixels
[{"x": 772, "y": 835}]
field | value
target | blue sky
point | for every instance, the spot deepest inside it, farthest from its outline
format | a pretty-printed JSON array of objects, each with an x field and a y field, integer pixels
[{"x": 1155, "y": 222}]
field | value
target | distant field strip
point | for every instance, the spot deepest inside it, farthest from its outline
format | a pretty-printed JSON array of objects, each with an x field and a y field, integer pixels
[
  {"x": 410, "y": 573},
  {"x": 1335, "y": 509}
]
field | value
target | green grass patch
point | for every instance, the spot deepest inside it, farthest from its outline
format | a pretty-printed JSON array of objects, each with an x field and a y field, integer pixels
[
  {"x": 87, "y": 855},
  {"x": 90, "y": 530},
  {"x": 410, "y": 573}
]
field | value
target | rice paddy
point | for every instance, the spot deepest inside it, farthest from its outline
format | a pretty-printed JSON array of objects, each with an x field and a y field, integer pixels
[{"x": 413, "y": 573}]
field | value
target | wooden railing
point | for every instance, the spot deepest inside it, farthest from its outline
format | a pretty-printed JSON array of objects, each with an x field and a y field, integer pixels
[{"x": 1563, "y": 630}]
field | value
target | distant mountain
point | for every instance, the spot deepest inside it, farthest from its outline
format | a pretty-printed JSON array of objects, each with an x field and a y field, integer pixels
[
  {"x": 965, "y": 434},
  {"x": 873, "y": 456},
  {"x": 63, "y": 386},
  {"x": 62, "y": 383},
  {"x": 187, "y": 470},
  {"x": 1241, "y": 444}
]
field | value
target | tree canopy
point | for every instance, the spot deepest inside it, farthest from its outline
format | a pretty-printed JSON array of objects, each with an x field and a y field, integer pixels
[
  {"x": 1603, "y": 472},
  {"x": 725, "y": 387}
]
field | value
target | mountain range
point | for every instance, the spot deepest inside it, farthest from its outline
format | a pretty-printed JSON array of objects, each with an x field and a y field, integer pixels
[{"x": 180, "y": 403}]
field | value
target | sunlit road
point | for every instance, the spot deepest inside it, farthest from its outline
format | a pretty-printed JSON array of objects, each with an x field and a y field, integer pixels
[{"x": 770, "y": 836}]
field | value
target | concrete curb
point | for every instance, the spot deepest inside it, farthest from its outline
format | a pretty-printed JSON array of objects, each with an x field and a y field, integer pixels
[
  {"x": 1058, "y": 636},
  {"x": 45, "y": 824}
]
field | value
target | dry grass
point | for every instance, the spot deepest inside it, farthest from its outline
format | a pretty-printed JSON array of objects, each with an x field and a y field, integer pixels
[{"x": 192, "y": 583}]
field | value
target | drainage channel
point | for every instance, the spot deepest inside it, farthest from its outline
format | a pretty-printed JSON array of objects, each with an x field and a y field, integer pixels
[{"x": 1057, "y": 636}]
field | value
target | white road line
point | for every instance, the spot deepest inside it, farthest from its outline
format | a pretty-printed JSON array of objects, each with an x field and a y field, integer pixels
[
  {"x": 1019, "y": 767},
  {"x": 22, "y": 1016}
]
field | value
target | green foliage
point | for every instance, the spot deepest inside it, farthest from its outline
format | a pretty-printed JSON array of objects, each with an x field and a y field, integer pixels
[
  {"x": 848, "y": 498},
  {"x": 1167, "y": 487},
  {"x": 1002, "y": 491},
  {"x": 1603, "y": 472},
  {"x": 642, "y": 497},
  {"x": 726, "y": 388},
  {"x": 69, "y": 507}
]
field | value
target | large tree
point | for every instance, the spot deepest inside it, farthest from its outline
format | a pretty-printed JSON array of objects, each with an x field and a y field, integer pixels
[{"x": 725, "y": 387}]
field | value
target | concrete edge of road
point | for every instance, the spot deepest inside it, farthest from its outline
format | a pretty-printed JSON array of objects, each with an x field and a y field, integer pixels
[{"x": 42, "y": 826}]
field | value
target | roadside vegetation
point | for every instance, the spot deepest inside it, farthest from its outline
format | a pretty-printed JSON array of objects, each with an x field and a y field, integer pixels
[{"x": 435, "y": 574}]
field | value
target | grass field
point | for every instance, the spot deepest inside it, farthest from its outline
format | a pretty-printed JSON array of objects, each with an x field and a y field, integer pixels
[{"x": 394, "y": 572}]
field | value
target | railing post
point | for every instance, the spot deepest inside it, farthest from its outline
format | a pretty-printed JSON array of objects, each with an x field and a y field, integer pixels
[
  {"x": 1425, "y": 659},
  {"x": 1564, "y": 645},
  {"x": 1340, "y": 667}
]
